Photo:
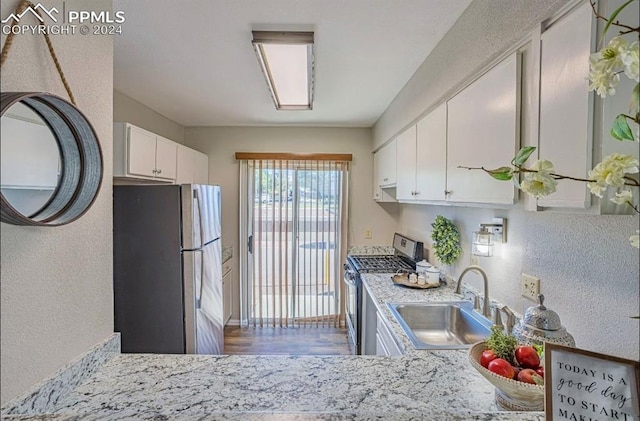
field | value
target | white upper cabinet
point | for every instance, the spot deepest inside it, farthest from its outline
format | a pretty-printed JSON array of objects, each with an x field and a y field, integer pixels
[
  {"x": 566, "y": 105},
  {"x": 406, "y": 164},
  {"x": 193, "y": 166},
  {"x": 185, "y": 165},
  {"x": 138, "y": 153},
  {"x": 201, "y": 168},
  {"x": 431, "y": 155},
  {"x": 384, "y": 173},
  {"x": 483, "y": 131},
  {"x": 422, "y": 158}
]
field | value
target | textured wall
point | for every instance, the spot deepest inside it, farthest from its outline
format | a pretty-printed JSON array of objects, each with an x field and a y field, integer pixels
[
  {"x": 127, "y": 109},
  {"x": 483, "y": 31},
  {"x": 588, "y": 270},
  {"x": 56, "y": 289},
  {"x": 221, "y": 143}
]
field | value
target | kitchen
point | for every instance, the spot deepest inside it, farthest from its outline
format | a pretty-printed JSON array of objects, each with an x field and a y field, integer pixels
[{"x": 588, "y": 272}]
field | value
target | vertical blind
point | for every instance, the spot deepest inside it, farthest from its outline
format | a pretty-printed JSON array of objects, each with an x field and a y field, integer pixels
[{"x": 297, "y": 211}]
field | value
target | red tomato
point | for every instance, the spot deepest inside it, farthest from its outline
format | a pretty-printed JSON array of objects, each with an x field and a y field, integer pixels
[
  {"x": 526, "y": 375},
  {"x": 516, "y": 371},
  {"x": 487, "y": 356},
  {"x": 540, "y": 371},
  {"x": 527, "y": 357},
  {"x": 501, "y": 367}
]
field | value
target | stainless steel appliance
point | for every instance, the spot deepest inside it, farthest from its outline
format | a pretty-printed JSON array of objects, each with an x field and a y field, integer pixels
[
  {"x": 407, "y": 253},
  {"x": 168, "y": 268}
]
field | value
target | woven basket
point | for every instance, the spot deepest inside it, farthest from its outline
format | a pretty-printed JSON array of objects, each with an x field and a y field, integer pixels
[{"x": 521, "y": 395}]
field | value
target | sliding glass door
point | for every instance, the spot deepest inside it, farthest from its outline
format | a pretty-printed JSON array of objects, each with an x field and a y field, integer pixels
[{"x": 295, "y": 215}]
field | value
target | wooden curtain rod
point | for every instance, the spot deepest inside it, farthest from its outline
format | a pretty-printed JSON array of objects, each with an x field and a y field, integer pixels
[{"x": 294, "y": 156}]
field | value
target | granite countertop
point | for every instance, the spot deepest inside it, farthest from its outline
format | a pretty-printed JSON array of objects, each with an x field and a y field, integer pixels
[{"x": 417, "y": 385}]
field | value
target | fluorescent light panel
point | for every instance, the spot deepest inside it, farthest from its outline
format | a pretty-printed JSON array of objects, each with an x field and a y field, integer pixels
[{"x": 286, "y": 59}]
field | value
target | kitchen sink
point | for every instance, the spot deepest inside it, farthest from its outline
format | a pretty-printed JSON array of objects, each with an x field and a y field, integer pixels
[{"x": 443, "y": 325}]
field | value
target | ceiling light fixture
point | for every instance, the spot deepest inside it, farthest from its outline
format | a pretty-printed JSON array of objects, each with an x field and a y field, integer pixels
[{"x": 287, "y": 62}]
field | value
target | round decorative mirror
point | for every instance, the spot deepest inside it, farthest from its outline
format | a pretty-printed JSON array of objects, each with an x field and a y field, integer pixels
[{"x": 51, "y": 160}]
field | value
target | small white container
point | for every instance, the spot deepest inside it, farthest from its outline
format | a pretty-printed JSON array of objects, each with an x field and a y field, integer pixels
[
  {"x": 422, "y": 266},
  {"x": 413, "y": 278},
  {"x": 433, "y": 276},
  {"x": 422, "y": 279}
]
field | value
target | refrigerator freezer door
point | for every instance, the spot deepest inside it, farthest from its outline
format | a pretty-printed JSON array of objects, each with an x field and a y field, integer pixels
[{"x": 201, "y": 215}]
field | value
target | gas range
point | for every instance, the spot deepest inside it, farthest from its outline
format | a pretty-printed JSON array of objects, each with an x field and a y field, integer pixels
[
  {"x": 380, "y": 263},
  {"x": 407, "y": 253}
]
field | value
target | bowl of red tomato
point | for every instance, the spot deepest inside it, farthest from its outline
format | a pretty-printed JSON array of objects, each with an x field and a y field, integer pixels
[{"x": 519, "y": 379}]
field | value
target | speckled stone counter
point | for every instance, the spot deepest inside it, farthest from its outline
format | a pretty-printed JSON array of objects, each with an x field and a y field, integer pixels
[{"x": 427, "y": 385}]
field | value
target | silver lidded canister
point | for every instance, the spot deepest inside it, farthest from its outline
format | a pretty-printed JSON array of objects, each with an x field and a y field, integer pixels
[{"x": 539, "y": 325}]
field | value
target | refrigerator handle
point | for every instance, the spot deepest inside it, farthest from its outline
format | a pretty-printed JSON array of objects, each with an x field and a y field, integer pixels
[
  {"x": 198, "y": 304},
  {"x": 250, "y": 244},
  {"x": 196, "y": 196}
]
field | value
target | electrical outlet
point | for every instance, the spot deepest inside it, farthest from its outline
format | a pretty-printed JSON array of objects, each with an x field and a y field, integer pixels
[
  {"x": 530, "y": 287},
  {"x": 367, "y": 234}
]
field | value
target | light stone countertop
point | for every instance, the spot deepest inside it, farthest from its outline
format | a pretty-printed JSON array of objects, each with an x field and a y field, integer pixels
[
  {"x": 227, "y": 253},
  {"x": 438, "y": 385}
]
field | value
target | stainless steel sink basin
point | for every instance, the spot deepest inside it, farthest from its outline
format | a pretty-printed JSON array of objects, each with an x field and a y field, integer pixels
[{"x": 443, "y": 325}]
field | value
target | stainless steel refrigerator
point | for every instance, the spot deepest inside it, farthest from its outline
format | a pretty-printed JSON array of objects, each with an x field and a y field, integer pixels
[{"x": 168, "y": 268}]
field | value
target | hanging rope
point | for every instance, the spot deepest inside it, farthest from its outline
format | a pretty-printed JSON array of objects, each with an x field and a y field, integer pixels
[{"x": 9, "y": 41}]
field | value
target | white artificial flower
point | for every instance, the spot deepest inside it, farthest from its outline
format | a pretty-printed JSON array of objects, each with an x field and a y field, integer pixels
[
  {"x": 625, "y": 196},
  {"x": 538, "y": 184},
  {"x": 630, "y": 61},
  {"x": 611, "y": 172},
  {"x": 635, "y": 240},
  {"x": 604, "y": 64},
  {"x": 542, "y": 165}
]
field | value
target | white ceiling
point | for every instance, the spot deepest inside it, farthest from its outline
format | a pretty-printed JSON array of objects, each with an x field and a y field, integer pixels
[{"x": 193, "y": 61}]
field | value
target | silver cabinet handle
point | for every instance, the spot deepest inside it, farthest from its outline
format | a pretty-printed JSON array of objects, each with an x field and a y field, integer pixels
[
  {"x": 447, "y": 192},
  {"x": 386, "y": 179},
  {"x": 159, "y": 171},
  {"x": 154, "y": 171},
  {"x": 417, "y": 193}
]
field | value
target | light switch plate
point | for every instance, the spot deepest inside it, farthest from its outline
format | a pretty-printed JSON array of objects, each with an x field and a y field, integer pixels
[{"x": 530, "y": 287}]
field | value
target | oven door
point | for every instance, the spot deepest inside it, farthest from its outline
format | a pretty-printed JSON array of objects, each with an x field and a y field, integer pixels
[{"x": 351, "y": 307}]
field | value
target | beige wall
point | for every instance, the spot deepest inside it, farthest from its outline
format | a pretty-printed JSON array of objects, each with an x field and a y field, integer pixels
[
  {"x": 588, "y": 270},
  {"x": 56, "y": 288},
  {"x": 127, "y": 109},
  {"x": 221, "y": 143}
]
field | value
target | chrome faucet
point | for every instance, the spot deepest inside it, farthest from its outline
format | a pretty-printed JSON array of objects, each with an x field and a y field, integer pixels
[
  {"x": 486, "y": 311},
  {"x": 511, "y": 318}
]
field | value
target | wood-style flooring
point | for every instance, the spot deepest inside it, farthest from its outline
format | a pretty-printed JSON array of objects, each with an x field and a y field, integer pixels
[{"x": 285, "y": 341}]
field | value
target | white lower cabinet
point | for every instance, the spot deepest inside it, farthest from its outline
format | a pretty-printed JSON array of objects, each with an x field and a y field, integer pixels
[
  {"x": 385, "y": 344},
  {"x": 227, "y": 292}
]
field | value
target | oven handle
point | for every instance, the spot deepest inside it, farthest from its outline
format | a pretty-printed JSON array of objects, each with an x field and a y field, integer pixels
[{"x": 349, "y": 282}]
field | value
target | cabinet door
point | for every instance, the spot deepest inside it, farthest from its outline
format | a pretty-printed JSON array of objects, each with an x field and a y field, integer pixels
[
  {"x": 483, "y": 131},
  {"x": 376, "y": 179},
  {"x": 406, "y": 164},
  {"x": 227, "y": 284},
  {"x": 431, "y": 155},
  {"x": 566, "y": 136},
  {"x": 387, "y": 168},
  {"x": 185, "y": 168},
  {"x": 201, "y": 171},
  {"x": 166, "y": 153},
  {"x": 141, "y": 149}
]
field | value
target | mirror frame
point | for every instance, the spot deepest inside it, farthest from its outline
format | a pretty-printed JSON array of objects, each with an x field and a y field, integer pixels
[{"x": 82, "y": 165}]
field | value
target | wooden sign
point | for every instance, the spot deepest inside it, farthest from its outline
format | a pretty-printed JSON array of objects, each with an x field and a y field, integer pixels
[{"x": 585, "y": 386}]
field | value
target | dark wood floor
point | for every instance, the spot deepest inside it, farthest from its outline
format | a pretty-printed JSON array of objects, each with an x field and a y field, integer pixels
[{"x": 285, "y": 341}]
